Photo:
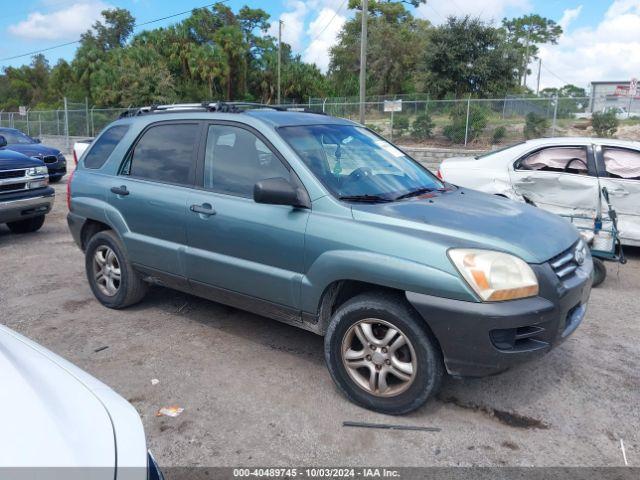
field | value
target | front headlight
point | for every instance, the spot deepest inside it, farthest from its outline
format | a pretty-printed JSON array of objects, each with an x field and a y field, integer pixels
[
  {"x": 34, "y": 171},
  {"x": 495, "y": 276}
]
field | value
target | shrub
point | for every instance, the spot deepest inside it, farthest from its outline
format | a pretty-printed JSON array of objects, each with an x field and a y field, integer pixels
[
  {"x": 455, "y": 131},
  {"x": 400, "y": 124},
  {"x": 422, "y": 126},
  {"x": 605, "y": 124},
  {"x": 535, "y": 125},
  {"x": 499, "y": 134}
]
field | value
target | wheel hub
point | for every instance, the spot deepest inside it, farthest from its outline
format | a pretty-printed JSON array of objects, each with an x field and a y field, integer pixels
[{"x": 379, "y": 357}]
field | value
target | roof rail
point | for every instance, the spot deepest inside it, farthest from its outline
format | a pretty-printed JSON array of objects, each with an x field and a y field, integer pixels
[{"x": 223, "y": 107}]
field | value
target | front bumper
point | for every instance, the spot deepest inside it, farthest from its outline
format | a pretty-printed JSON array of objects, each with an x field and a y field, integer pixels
[
  {"x": 479, "y": 339},
  {"x": 57, "y": 169},
  {"x": 22, "y": 205}
]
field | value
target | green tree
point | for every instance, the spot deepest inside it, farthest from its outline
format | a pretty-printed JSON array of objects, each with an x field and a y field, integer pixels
[
  {"x": 525, "y": 33},
  {"x": 395, "y": 41},
  {"x": 605, "y": 124},
  {"x": 535, "y": 126},
  {"x": 467, "y": 56}
]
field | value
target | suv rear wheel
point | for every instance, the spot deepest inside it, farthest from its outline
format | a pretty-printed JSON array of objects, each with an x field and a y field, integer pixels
[
  {"x": 113, "y": 280},
  {"x": 27, "y": 225},
  {"x": 381, "y": 355}
]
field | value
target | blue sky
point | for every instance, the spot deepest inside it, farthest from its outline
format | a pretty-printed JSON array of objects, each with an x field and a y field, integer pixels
[{"x": 601, "y": 40}]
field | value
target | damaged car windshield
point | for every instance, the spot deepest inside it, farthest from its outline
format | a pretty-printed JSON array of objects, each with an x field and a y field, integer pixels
[{"x": 357, "y": 165}]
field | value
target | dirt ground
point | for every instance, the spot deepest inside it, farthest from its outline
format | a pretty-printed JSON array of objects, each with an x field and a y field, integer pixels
[{"x": 256, "y": 392}]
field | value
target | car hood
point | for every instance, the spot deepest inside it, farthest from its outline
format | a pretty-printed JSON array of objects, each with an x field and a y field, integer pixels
[
  {"x": 10, "y": 160},
  {"x": 50, "y": 417},
  {"x": 33, "y": 149},
  {"x": 467, "y": 218}
]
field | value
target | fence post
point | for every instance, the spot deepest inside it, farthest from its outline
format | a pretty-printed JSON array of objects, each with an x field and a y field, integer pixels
[
  {"x": 28, "y": 133},
  {"x": 323, "y": 104},
  {"x": 1, "y": 117},
  {"x": 504, "y": 107},
  {"x": 93, "y": 129},
  {"x": 555, "y": 115},
  {"x": 466, "y": 128},
  {"x": 86, "y": 113},
  {"x": 66, "y": 123},
  {"x": 58, "y": 122},
  {"x": 39, "y": 124}
]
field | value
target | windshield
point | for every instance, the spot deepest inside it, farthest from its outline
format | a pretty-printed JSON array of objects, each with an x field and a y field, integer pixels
[
  {"x": 15, "y": 136},
  {"x": 355, "y": 164}
]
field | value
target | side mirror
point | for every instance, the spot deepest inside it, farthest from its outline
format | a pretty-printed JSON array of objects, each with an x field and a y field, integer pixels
[
  {"x": 37, "y": 140},
  {"x": 3, "y": 141},
  {"x": 278, "y": 191}
]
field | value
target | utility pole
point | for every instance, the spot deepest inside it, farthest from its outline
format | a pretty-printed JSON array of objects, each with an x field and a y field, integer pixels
[
  {"x": 363, "y": 58},
  {"x": 280, "y": 23},
  {"x": 538, "y": 82},
  {"x": 526, "y": 57}
]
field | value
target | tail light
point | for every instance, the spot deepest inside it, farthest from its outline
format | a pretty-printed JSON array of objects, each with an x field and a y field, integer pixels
[
  {"x": 70, "y": 179},
  {"x": 439, "y": 174}
]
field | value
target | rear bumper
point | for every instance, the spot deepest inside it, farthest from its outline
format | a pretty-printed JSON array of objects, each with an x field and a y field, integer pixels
[
  {"x": 75, "y": 223},
  {"x": 26, "y": 204},
  {"x": 479, "y": 339}
]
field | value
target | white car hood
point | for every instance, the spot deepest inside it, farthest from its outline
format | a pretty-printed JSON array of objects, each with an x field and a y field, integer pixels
[{"x": 50, "y": 418}]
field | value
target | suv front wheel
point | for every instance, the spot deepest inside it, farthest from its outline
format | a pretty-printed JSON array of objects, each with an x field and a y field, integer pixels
[
  {"x": 381, "y": 355},
  {"x": 113, "y": 280}
]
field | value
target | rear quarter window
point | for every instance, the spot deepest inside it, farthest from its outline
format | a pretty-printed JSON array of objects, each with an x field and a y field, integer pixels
[{"x": 103, "y": 147}]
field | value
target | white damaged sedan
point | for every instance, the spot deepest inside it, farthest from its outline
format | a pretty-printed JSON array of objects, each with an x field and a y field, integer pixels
[
  {"x": 562, "y": 175},
  {"x": 60, "y": 422}
]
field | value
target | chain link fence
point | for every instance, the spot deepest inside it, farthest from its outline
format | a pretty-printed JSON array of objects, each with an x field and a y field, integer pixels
[{"x": 419, "y": 121}]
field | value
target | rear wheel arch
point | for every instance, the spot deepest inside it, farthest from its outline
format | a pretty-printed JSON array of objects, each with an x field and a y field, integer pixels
[{"x": 89, "y": 229}]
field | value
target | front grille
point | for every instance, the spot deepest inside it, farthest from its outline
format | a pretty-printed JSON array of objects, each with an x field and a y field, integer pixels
[
  {"x": 565, "y": 264},
  {"x": 12, "y": 173},
  {"x": 50, "y": 159},
  {"x": 12, "y": 186},
  {"x": 529, "y": 337}
]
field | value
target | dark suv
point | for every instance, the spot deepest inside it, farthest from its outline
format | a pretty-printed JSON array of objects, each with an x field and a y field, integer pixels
[
  {"x": 31, "y": 147},
  {"x": 320, "y": 223}
]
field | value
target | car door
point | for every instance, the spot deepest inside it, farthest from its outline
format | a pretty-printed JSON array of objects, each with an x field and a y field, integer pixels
[
  {"x": 235, "y": 244},
  {"x": 620, "y": 173},
  {"x": 150, "y": 193},
  {"x": 561, "y": 179}
]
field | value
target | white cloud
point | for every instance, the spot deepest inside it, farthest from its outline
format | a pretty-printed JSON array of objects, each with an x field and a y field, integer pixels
[
  {"x": 607, "y": 51},
  {"x": 62, "y": 24},
  {"x": 437, "y": 11},
  {"x": 323, "y": 32},
  {"x": 293, "y": 29},
  {"x": 568, "y": 16}
]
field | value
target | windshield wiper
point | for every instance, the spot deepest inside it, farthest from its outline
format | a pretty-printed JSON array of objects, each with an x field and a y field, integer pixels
[
  {"x": 364, "y": 198},
  {"x": 415, "y": 193}
]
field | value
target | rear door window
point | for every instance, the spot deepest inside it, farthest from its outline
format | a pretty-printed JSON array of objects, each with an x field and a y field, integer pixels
[
  {"x": 556, "y": 159},
  {"x": 165, "y": 153},
  {"x": 104, "y": 146},
  {"x": 622, "y": 163}
]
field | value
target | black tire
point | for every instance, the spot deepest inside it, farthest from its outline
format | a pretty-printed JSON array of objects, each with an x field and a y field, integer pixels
[
  {"x": 27, "y": 225},
  {"x": 395, "y": 311},
  {"x": 599, "y": 272},
  {"x": 131, "y": 288}
]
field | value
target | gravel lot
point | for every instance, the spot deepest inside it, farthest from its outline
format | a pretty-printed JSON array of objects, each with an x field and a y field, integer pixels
[{"x": 256, "y": 392}]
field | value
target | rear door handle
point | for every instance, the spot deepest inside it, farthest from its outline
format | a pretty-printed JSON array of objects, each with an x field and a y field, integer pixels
[
  {"x": 525, "y": 181},
  {"x": 620, "y": 192},
  {"x": 121, "y": 190},
  {"x": 204, "y": 209}
]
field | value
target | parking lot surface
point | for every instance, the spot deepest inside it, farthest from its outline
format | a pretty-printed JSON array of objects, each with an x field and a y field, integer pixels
[{"x": 256, "y": 392}]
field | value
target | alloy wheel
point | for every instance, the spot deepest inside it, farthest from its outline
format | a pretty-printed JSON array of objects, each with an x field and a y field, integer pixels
[
  {"x": 106, "y": 270},
  {"x": 379, "y": 357}
]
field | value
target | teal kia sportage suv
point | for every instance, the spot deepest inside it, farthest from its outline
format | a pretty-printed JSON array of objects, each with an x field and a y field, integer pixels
[{"x": 320, "y": 223}]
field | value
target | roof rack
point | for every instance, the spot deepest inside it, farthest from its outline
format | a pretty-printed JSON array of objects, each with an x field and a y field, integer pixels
[{"x": 223, "y": 107}]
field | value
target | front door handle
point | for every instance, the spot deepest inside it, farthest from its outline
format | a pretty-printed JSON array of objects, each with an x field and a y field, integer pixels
[
  {"x": 204, "y": 209},
  {"x": 121, "y": 190}
]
